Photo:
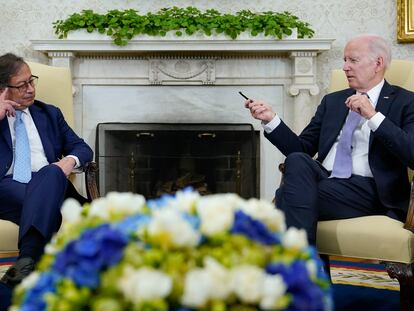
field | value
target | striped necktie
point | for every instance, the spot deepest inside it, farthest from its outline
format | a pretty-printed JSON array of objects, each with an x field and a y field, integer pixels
[{"x": 22, "y": 171}]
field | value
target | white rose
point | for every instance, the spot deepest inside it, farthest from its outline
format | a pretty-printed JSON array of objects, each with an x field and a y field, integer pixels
[
  {"x": 266, "y": 212},
  {"x": 216, "y": 213},
  {"x": 185, "y": 201},
  {"x": 295, "y": 238},
  {"x": 247, "y": 283},
  {"x": 30, "y": 280},
  {"x": 144, "y": 284},
  {"x": 273, "y": 289},
  {"x": 197, "y": 288},
  {"x": 220, "y": 278},
  {"x": 71, "y": 211},
  {"x": 172, "y": 229},
  {"x": 312, "y": 268},
  {"x": 117, "y": 203}
]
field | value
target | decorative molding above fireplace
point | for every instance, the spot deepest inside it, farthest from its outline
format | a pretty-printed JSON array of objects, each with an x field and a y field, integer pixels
[
  {"x": 84, "y": 43},
  {"x": 191, "y": 81}
]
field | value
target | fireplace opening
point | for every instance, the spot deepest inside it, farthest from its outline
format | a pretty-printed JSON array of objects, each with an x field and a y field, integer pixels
[{"x": 160, "y": 158}]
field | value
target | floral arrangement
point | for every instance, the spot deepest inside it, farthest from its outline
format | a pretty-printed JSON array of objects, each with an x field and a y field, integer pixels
[{"x": 182, "y": 252}]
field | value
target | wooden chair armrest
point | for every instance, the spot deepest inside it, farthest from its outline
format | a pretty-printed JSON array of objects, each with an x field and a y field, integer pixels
[
  {"x": 90, "y": 170},
  {"x": 409, "y": 221}
]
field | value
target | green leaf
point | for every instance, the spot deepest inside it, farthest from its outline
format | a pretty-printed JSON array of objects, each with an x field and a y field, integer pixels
[{"x": 123, "y": 25}]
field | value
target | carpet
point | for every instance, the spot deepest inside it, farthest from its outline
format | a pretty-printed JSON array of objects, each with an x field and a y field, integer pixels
[
  {"x": 367, "y": 274},
  {"x": 6, "y": 260},
  {"x": 362, "y": 286},
  {"x": 357, "y": 286}
]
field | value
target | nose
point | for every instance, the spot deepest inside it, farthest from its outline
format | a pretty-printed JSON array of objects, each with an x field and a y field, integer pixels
[
  {"x": 345, "y": 67},
  {"x": 30, "y": 87}
]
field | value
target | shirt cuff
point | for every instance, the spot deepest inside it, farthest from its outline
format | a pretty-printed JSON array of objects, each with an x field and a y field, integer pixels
[
  {"x": 77, "y": 165},
  {"x": 375, "y": 121},
  {"x": 271, "y": 125}
]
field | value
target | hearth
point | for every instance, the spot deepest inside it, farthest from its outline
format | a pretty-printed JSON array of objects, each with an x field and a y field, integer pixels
[{"x": 158, "y": 158}]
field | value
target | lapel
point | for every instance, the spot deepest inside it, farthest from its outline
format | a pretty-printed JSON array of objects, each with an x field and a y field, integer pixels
[
  {"x": 337, "y": 119},
  {"x": 384, "y": 103},
  {"x": 40, "y": 120},
  {"x": 5, "y": 130},
  {"x": 341, "y": 113}
]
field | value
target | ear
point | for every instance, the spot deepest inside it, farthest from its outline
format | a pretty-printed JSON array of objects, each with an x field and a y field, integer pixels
[{"x": 380, "y": 64}]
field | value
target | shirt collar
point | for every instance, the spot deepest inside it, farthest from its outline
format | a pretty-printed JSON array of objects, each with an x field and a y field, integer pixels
[{"x": 374, "y": 93}]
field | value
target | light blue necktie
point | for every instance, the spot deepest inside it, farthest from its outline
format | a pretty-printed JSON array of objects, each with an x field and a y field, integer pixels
[
  {"x": 22, "y": 171},
  {"x": 342, "y": 167}
]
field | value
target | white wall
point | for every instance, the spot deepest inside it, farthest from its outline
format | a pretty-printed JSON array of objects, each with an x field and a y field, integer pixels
[{"x": 22, "y": 20}]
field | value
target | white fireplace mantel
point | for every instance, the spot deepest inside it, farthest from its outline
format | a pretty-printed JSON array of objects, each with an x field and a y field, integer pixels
[
  {"x": 190, "y": 80},
  {"x": 155, "y": 44},
  {"x": 303, "y": 53}
]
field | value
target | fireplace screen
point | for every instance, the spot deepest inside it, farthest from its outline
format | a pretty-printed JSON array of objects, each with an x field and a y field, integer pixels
[{"x": 154, "y": 159}]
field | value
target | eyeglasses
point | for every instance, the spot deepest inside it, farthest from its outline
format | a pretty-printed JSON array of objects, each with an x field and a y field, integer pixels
[{"x": 22, "y": 88}]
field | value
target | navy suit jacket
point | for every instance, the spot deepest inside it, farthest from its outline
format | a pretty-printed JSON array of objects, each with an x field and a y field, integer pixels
[
  {"x": 57, "y": 137},
  {"x": 391, "y": 146}
]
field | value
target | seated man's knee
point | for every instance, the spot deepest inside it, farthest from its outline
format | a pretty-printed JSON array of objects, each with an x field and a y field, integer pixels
[
  {"x": 297, "y": 160},
  {"x": 52, "y": 171}
]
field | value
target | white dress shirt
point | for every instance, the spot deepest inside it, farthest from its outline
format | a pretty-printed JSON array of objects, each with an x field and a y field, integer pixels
[
  {"x": 37, "y": 154},
  {"x": 360, "y": 138}
]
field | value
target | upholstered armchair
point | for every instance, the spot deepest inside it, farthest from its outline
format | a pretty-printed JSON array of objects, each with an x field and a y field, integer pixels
[
  {"x": 378, "y": 238},
  {"x": 54, "y": 87}
]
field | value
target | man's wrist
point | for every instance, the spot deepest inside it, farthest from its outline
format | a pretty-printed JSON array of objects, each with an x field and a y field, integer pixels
[{"x": 375, "y": 121}]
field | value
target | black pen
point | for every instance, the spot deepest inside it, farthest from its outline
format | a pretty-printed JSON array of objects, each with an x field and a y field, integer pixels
[{"x": 243, "y": 95}]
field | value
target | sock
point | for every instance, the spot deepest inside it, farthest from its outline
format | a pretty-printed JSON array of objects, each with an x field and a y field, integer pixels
[{"x": 32, "y": 244}]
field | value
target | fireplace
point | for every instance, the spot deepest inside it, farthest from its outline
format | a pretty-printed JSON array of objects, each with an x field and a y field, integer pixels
[
  {"x": 193, "y": 80},
  {"x": 160, "y": 158}
]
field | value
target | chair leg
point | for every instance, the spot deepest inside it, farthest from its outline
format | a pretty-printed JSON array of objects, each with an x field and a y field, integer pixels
[{"x": 404, "y": 274}]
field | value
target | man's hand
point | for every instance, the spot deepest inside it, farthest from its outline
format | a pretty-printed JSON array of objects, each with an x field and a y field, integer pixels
[
  {"x": 7, "y": 107},
  {"x": 260, "y": 110},
  {"x": 66, "y": 164},
  {"x": 361, "y": 104}
]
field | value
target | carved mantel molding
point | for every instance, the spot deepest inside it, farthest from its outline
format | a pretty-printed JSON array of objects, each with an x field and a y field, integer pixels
[{"x": 194, "y": 59}]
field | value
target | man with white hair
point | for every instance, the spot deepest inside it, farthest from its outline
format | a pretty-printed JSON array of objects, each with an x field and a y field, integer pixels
[{"x": 364, "y": 140}]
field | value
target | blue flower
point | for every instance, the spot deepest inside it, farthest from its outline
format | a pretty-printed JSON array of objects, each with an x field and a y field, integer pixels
[
  {"x": 306, "y": 294},
  {"x": 131, "y": 224},
  {"x": 46, "y": 283},
  {"x": 95, "y": 250},
  {"x": 161, "y": 202},
  {"x": 253, "y": 229}
]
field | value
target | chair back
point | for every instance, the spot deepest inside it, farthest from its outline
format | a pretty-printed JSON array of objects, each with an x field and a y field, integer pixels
[
  {"x": 55, "y": 87},
  {"x": 400, "y": 72}
]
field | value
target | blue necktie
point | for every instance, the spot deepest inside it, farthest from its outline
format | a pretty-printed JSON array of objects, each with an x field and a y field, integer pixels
[
  {"x": 342, "y": 167},
  {"x": 22, "y": 171}
]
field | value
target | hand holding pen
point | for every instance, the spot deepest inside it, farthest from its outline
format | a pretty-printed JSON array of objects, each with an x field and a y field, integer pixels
[{"x": 259, "y": 109}]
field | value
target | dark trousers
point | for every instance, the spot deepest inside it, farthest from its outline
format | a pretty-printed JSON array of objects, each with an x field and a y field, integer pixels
[
  {"x": 36, "y": 204},
  {"x": 308, "y": 195}
]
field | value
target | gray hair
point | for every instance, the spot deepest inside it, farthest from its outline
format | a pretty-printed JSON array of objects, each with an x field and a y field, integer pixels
[{"x": 378, "y": 47}]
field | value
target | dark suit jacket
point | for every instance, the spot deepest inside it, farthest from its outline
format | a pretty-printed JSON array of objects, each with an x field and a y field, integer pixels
[
  {"x": 391, "y": 146},
  {"x": 57, "y": 137}
]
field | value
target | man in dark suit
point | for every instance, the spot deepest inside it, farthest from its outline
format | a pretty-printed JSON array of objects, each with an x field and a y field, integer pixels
[
  {"x": 54, "y": 150},
  {"x": 379, "y": 150}
]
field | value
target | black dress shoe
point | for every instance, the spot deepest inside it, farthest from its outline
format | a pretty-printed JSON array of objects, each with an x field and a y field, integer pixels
[{"x": 16, "y": 273}]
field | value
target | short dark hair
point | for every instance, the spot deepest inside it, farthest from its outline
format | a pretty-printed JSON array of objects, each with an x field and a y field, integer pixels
[{"x": 10, "y": 64}]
